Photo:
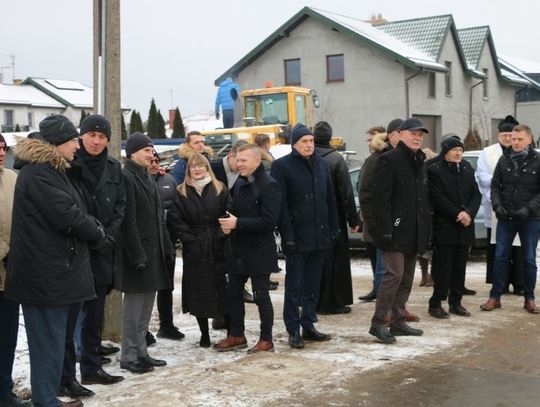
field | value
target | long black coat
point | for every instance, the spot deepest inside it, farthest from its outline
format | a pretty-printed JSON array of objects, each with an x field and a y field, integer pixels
[
  {"x": 105, "y": 199},
  {"x": 401, "y": 201},
  {"x": 205, "y": 249},
  {"x": 308, "y": 214},
  {"x": 514, "y": 188},
  {"x": 336, "y": 282},
  {"x": 256, "y": 203},
  {"x": 143, "y": 237},
  {"x": 49, "y": 264},
  {"x": 452, "y": 189}
]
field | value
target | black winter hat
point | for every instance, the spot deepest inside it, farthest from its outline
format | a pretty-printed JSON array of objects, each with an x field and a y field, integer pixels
[
  {"x": 137, "y": 141},
  {"x": 57, "y": 129},
  {"x": 394, "y": 125},
  {"x": 413, "y": 124},
  {"x": 96, "y": 122},
  {"x": 322, "y": 132},
  {"x": 449, "y": 143},
  {"x": 298, "y": 132},
  {"x": 508, "y": 124}
]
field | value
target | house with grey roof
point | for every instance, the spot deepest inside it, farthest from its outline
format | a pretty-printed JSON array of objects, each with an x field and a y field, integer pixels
[{"x": 368, "y": 75}]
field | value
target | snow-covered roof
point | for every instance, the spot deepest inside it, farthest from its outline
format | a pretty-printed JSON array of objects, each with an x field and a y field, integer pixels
[
  {"x": 26, "y": 95},
  {"x": 70, "y": 93},
  {"x": 520, "y": 69},
  {"x": 524, "y": 65}
]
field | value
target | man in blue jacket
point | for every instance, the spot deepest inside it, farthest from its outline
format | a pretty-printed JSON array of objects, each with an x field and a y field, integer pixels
[
  {"x": 308, "y": 224},
  {"x": 227, "y": 93}
]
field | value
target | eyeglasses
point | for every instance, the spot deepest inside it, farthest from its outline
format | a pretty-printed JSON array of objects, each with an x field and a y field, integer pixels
[
  {"x": 197, "y": 167},
  {"x": 155, "y": 161},
  {"x": 5, "y": 148}
]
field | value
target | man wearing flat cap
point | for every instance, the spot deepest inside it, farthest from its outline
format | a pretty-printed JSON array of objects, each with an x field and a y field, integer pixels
[
  {"x": 308, "y": 225},
  {"x": 49, "y": 262},
  {"x": 402, "y": 219},
  {"x": 143, "y": 253}
]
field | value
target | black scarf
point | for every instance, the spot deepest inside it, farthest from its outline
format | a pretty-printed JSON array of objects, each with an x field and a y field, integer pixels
[{"x": 96, "y": 164}]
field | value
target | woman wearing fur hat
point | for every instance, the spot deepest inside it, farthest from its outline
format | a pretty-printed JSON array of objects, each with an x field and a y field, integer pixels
[{"x": 49, "y": 263}]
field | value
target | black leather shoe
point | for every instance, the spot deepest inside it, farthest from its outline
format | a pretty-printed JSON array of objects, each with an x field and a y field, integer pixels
[
  {"x": 105, "y": 360},
  {"x": 368, "y": 297},
  {"x": 382, "y": 333},
  {"x": 170, "y": 332},
  {"x": 295, "y": 340},
  {"x": 336, "y": 311},
  {"x": 150, "y": 339},
  {"x": 12, "y": 400},
  {"x": 466, "y": 291},
  {"x": 136, "y": 367},
  {"x": 459, "y": 310},
  {"x": 108, "y": 350},
  {"x": 405, "y": 330},
  {"x": 314, "y": 335},
  {"x": 150, "y": 361},
  {"x": 74, "y": 390},
  {"x": 438, "y": 313},
  {"x": 101, "y": 377}
]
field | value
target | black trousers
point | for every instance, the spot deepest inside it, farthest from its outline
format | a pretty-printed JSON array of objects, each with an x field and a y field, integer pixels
[
  {"x": 68, "y": 367},
  {"x": 91, "y": 328},
  {"x": 449, "y": 263},
  {"x": 261, "y": 296},
  {"x": 165, "y": 301}
]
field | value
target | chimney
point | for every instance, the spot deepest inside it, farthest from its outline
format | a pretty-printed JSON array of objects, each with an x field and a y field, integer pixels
[
  {"x": 171, "y": 118},
  {"x": 376, "y": 20}
]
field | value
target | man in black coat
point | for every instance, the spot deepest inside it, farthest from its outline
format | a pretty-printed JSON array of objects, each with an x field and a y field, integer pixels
[
  {"x": 49, "y": 264},
  {"x": 308, "y": 225},
  {"x": 167, "y": 190},
  {"x": 515, "y": 196},
  {"x": 143, "y": 251},
  {"x": 455, "y": 200},
  {"x": 98, "y": 178},
  {"x": 255, "y": 213},
  {"x": 402, "y": 218},
  {"x": 336, "y": 283}
]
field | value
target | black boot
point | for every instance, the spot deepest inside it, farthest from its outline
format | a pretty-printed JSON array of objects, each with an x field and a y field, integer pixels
[{"x": 372, "y": 295}]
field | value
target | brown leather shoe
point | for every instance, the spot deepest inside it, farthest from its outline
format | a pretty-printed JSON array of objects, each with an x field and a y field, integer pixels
[
  {"x": 490, "y": 305},
  {"x": 230, "y": 343},
  {"x": 262, "y": 346},
  {"x": 73, "y": 403},
  {"x": 531, "y": 307}
]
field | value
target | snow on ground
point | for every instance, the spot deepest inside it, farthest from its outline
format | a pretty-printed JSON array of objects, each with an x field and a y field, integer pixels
[{"x": 196, "y": 376}]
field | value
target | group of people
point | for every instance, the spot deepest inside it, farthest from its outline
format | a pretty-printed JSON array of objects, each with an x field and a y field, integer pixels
[{"x": 76, "y": 224}]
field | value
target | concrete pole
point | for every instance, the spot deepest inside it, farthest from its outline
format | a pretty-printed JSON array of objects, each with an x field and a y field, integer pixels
[{"x": 107, "y": 102}]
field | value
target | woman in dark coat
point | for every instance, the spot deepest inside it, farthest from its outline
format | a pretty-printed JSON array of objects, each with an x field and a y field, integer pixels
[
  {"x": 200, "y": 202},
  {"x": 455, "y": 199}
]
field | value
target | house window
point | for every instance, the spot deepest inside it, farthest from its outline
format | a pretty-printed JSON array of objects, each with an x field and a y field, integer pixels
[
  {"x": 485, "y": 84},
  {"x": 432, "y": 92},
  {"x": 335, "y": 68},
  {"x": 292, "y": 72},
  {"x": 30, "y": 120},
  {"x": 448, "y": 79},
  {"x": 8, "y": 121}
]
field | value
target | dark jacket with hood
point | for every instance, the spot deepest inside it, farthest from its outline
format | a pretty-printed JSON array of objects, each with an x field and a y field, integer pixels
[
  {"x": 516, "y": 183},
  {"x": 49, "y": 263},
  {"x": 452, "y": 189},
  {"x": 105, "y": 199},
  {"x": 401, "y": 201},
  {"x": 144, "y": 246},
  {"x": 308, "y": 215}
]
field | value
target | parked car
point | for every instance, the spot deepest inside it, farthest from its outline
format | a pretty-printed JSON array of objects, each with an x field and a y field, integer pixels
[
  {"x": 480, "y": 232},
  {"x": 355, "y": 172}
]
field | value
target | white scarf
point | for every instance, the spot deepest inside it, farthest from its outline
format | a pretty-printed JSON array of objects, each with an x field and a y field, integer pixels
[{"x": 199, "y": 184}]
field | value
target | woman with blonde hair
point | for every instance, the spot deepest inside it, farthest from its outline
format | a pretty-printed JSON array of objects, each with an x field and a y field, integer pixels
[{"x": 200, "y": 202}]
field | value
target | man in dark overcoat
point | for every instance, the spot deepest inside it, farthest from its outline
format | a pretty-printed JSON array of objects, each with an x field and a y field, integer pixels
[
  {"x": 49, "y": 264},
  {"x": 143, "y": 252},
  {"x": 336, "y": 283},
  {"x": 254, "y": 215},
  {"x": 98, "y": 178},
  {"x": 308, "y": 225},
  {"x": 402, "y": 218}
]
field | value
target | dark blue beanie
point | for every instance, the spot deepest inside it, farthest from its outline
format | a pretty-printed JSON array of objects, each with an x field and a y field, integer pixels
[{"x": 298, "y": 132}]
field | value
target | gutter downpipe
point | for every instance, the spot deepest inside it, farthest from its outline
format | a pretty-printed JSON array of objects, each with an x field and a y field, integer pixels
[
  {"x": 470, "y": 100},
  {"x": 407, "y": 101}
]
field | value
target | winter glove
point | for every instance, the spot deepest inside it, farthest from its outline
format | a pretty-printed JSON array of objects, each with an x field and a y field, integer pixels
[
  {"x": 217, "y": 115},
  {"x": 289, "y": 247},
  {"x": 386, "y": 239},
  {"x": 99, "y": 243},
  {"x": 139, "y": 268},
  {"x": 501, "y": 213},
  {"x": 521, "y": 213}
]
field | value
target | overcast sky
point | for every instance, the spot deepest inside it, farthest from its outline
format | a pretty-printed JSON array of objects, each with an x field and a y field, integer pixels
[{"x": 173, "y": 50}]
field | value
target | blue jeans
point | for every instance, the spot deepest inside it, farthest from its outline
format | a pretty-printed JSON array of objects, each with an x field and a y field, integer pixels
[
  {"x": 528, "y": 234},
  {"x": 9, "y": 321},
  {"x": 302, "y": 288},
  {"x": 46, "y": 334},
  {"x": 379, "y": 271}
]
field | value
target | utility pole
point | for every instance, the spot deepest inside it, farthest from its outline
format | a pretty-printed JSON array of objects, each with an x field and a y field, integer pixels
[{"x": 107, "y": 102}]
